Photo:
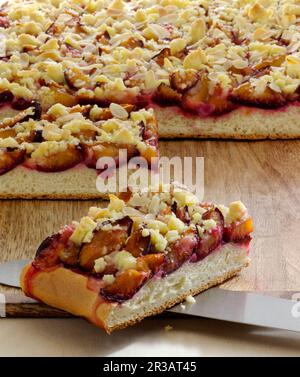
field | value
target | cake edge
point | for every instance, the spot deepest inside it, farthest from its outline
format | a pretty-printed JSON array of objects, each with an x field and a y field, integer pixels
[
  {"x": 75, "y": 183},
  {"x": 46, "y": 285},
  {"x": 244, "y": 123}
]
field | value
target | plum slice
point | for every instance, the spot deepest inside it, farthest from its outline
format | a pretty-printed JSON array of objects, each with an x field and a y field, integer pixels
[
  {"x": 199, "y": 100},
  {"x": 33, "y": 111},
  {"x": 105, "y": 242},
  {"x": 238, "y": 232},
  {"x": 149, "y": 134},
  {"x": 150, "y": 154},
  {"x": 216, "y": 215},
  {"x": 180, "y": 251},
  {"x": 166, "y": 95},
  {"x": 181, "y": 212},
  {"x": 69, "y": 255},
  {"x": 59, "y": 161},
  {"x": 93, "y": 152},
  {"x": 47, "y": 254},
  {"x": 219, "y": 102},
  {"x": 208, "y": 243},
  {"x": 195, "y": 97},
  {"x": 22, "y": 104},
  {"x": 151, "y": 262},
  {"x": 10, "y": 158},
  {"x": 125, "y": 195},
  {"x": 182, "y": 81},
  {"x": 137, "y": 244},
  {"x": 245, "y": 94},
  {"x": 37, "y": 111},
  {"x": 125, "y": 285},
  {"x": 57, "y": 249},
  {"x": 19, "y": 103},
  {"x": 210, "y": 240}
]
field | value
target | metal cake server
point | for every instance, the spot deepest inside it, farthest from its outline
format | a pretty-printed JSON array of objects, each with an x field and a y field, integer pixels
[
  {"x": 234, "y": 306},
  {"x": 10, "y": 272}
]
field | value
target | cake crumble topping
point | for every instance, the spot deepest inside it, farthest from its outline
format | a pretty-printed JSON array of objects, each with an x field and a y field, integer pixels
[{"x": 183, "y": 52}]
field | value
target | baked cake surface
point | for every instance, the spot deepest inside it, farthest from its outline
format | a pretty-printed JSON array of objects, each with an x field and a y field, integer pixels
[{"x": 208, "y": 58}]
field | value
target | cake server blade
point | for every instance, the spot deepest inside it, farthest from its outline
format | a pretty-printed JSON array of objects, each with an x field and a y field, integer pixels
[
  {"x": 245, "y": 307},
  {"x": 216, "y": 303},
  {"x": 10, "y": 272}
]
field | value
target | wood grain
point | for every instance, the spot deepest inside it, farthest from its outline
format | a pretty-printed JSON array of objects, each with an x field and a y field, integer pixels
[{"x": 265, "y": 175}]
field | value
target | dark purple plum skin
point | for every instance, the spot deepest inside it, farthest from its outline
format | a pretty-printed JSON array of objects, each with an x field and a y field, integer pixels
[
  {"x": 126, "y": 222},
  {"x": 48, "y": 242},
  {"x": 6, "y": 97},
  {"x": 22, "y": 104}
]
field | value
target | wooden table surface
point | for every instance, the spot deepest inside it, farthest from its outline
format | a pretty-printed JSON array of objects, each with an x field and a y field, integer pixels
[{"x": 265, "y": 175}]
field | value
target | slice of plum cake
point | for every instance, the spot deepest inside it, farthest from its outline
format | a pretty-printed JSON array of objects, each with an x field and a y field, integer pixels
[{"x": 139, "y": 256}]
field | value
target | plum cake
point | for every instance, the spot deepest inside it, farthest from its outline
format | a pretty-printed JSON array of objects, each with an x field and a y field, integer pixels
[
  {"x": 210, "y": 68},
  {"x": 143, "y": 253},
  {"x": 56, "y": 156}
]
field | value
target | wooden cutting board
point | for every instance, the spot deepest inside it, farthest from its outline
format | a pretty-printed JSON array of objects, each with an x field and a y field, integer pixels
[{"x": 265, "y": 175}]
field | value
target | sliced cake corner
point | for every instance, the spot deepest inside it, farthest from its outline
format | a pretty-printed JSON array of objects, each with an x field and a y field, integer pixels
[{"x": 138, "y": 257}]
